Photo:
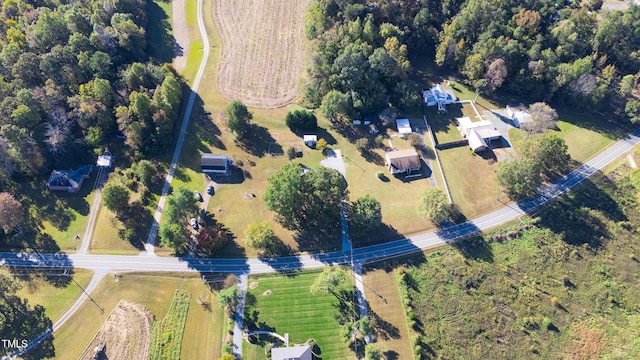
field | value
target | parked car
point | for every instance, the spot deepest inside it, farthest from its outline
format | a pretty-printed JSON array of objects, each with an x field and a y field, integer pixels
[
  {"x": 194, "y": 223},
  {"x": 198, "y": 196},
  {"x": 210, "y": 189}
]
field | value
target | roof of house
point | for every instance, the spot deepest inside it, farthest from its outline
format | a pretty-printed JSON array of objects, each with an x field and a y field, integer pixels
[
  {"x": 404, "y": 126},
  {"x": 69, "y": 178},
  {"x": 516, "y": 107},
  {"x": 485, "y": 128},
  {"x": 310, "y": 138},
  {"x": 301, "y": 352},
  {"x": 403, "y": 159},
  {"x": 476, "y": 141},
  {"x": 214, "y": 160}
]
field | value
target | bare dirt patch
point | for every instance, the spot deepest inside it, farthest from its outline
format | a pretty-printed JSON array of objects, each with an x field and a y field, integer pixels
[
  {"x": 266, "y": 293},
  {"x": 263, "y": 54},
  {"x": 253, "y": 285},
  {"x": 125, "y": 335}
]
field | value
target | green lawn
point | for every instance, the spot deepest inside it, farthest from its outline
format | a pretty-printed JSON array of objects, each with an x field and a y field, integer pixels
[
  {"x": 55, "y": 300},
  {"x": 585, "y": 134},
  {"x": 291, "y": 308},
  {"x": 202, "y": 338},
  {"x": 65, "y": 237},
  {"x": 471, "y": 180}
]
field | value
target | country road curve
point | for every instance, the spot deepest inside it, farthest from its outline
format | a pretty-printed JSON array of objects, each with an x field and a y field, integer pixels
[
  {"x": 151, "y": 238},
  {"x": 102, "y": 264}
]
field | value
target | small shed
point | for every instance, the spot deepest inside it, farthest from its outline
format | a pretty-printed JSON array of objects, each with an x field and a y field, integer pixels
[
  {"x": 215, "y": 164},
  {"x": 105, "y": 160},
  {"x": 404, "y": 127},
  {"x": 310, "y": 140}
]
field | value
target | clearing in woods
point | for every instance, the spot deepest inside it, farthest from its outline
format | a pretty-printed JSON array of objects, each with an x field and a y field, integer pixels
[
  {"x": 262, "y": 50},
  {"x": 125, "y": 335}
]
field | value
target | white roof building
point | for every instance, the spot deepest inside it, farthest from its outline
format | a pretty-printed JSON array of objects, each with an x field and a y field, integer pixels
[
  {"x": 478, "y": 132},
  {"x": 518, "y": 114},
  {"x": 404, "y": 127},
  {"x": 301, "y": 352},
  {"x": 439, "y": 96}
]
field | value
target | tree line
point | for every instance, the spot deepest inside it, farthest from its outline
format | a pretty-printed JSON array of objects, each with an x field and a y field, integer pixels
[
  {"x": 560, "y": 51},
  {"x": 72, "y": 76}
]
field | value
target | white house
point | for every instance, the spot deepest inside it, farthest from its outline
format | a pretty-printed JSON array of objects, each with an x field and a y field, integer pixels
[
  {"x": 478, "y": 133},
  {"x": 404, "y": 127},
  {"x": 518, "y": 114},
  {"x": 300, "y": 352},
  {"x": 439, "y": 96}
]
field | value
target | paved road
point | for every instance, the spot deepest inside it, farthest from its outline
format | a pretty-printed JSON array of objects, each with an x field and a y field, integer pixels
[
  {"x": 106, "y": 263},
  {"x": 360, "y": 255},
  {"x": 151, "y": 239}
]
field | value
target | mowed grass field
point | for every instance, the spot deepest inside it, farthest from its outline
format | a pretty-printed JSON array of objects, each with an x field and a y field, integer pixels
[
  {"x": 202, "y": 335},
  {"x": 291, "y": 308},
  {"x": 388, "y": 320}
]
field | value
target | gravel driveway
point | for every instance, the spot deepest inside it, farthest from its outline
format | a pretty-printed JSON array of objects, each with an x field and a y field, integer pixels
[{"x": 334, "y": 161}]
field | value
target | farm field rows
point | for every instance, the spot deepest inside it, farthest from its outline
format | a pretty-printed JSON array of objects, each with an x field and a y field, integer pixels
[{"x": 263, "y": 53}]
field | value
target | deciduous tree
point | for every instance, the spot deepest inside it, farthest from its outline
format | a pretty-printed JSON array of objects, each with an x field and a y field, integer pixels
[
  {"x": 329, "y": 280},
  {"x": 238, "y": 118},
  {"x": 115, "y": 197},
  {"x": 434, "y": 205},
  {"x": 305, "y": 199},
  {"x": 543, "y": 117},
  {"x": 11, "y": 213},
  {"x": 365, "y": 215},
  {"x": 228, "y": 299},
  {"x": 260, "y": 236},
  {"x": 519, "y": 178}
]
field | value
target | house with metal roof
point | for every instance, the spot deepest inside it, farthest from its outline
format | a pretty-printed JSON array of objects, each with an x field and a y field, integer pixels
[{"x": 216, "y": 164}]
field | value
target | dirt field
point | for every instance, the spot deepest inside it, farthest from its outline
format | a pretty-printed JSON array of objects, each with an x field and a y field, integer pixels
[
  {"x": 180, "y": 33},
  {"x": 263, "y": 55},
  {"x": 125, "y": 335}
]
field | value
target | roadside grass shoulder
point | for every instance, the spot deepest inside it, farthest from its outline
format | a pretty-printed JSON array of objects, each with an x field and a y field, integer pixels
[
  {"x": 284, "y": 304},
  {"x": 65, "y": 237},
  {"x": 55, "y": 300},
  {"x": 385, "y": 311},
  {"x": 561, "y": 283},
  {"x": 154, "y": 291}
]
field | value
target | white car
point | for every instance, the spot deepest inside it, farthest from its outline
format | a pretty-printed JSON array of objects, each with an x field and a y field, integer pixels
[{"x": 194, "y": 223}]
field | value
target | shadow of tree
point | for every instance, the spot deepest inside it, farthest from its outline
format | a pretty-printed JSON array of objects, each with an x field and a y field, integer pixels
[
  {"x": 257, "y": 140},
  {"x": 381, "y": 328},
  {"x": 161, "y": 44}
]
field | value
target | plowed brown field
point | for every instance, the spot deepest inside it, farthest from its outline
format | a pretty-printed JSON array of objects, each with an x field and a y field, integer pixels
[
  {"x": 125, "y": 335},
  {"x": 263, "y": 55}
]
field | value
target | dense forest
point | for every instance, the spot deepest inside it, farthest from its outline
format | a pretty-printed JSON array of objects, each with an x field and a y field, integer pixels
[
  {"x": 559, "y": 51},
  {"x": 73, "y": 75}
]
